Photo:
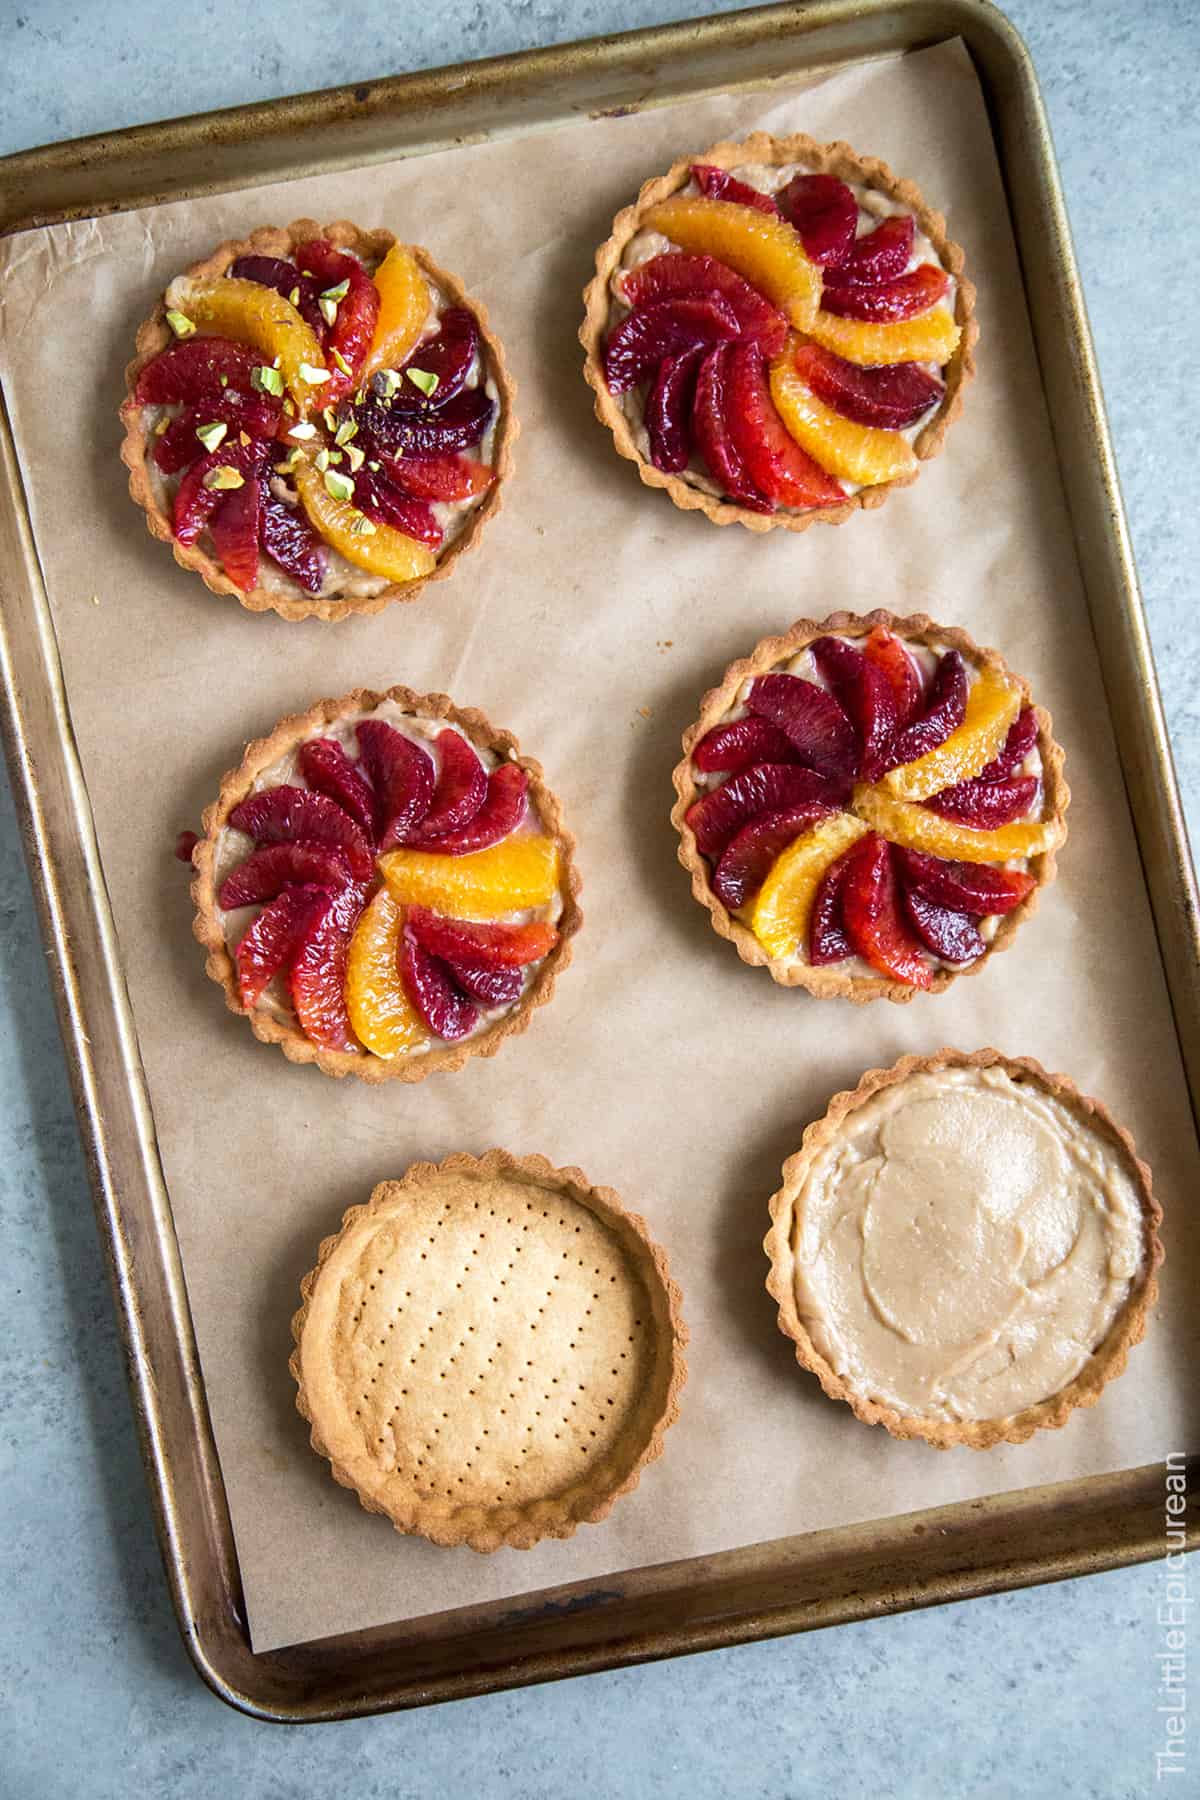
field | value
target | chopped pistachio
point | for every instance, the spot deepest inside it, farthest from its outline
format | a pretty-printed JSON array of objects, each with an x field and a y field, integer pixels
[
  {"x": 161, "y": 427},
  {"x": 385, "y": 383},
  {"x": 302, "y": 429},
  {"x": 346, "y": 430},
  {"x": 361, "y": 526},
  {"x": 425, "y": 379},
  {"x": 313, "y": 376},
  {"x": 294, "y": 296},
  {"x": 224, "y": 381},
  {"x": 328, "y": 310},
  {"x": 266, "y": 380},
  {"x": 330, "y": 418},
  {"x": 322, "y": 460},
  {"x": 373, "y": 466},
  {"x": 289, "y": 409},
  {"x": 360, "y": 396},
  {"x": 180, "y": 324},
  {"x": 342, "y": 364},
  {"x": 244, "y": 439},
  {"x": 355, "y": 457},
  {"x": 291, "y": 461},
  {"x": 336, "y": 293},
  {"x": 338, "y": 486},
  {"x": 212, "y": 435},
  {"x": 223, "y": 477}
]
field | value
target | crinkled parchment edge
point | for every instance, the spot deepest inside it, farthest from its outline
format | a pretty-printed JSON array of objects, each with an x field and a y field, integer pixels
[
  {"x": 1107, "y": 1361},
  {"x": 831, "y": 982},
  {"x": 835, "y": 159},
  {"x": 154, "y": 335},
  {"x": 238, "y": 783},
  {"x": 518, "y": 1527}
]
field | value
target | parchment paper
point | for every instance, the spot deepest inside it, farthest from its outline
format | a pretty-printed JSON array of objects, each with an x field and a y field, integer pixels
[{"x": 590, "y": 622}]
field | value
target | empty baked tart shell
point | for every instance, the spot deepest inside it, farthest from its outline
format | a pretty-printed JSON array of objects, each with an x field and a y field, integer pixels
[
  {"x": 490, "y": 1351},
  {"x": 964, "y": 1249},
  {"x": 333, "y": 480},
  {"x": 869, "y": 806},
  {"x": 779, "y": 332}
]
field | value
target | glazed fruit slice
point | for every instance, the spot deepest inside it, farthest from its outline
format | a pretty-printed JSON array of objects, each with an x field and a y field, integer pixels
[
  {"x": 811, "y": 719},
  {"x": 318, "y": 978},
  {"x": 492, "y": 945},
  {"x": 404, "y": 305},
  {"x": 888, "y": 398},
  {"x": 886, "y": 302},
  {"x": 713, "y": 438},
  {"x": 873, "y": 924},
  {"x": 383, "y": 551},
  {"x": 292, "y": 544},
  {"x": 963, "y": 886},
  {"x": 1022, "y": 736},
  {"x": 266, "y": 872},
  {"x": 449, "y": 477},
  {"x": 348, "y": 338},
  {"x": 447, "y": 356},
  {"x": 288, "y": 815},
  {"x": 824, "y": 212},
  {"x": 727, "y": 748},
  {"x": 776, "y": 462},
  {"x": 507, "y": 878},
  {"x": 462, "y": 786},
  {"x": 235, "y": 527},
  {"x": 986, "y": 804},
  {"x": 275, "y": 272},
  {"x": 272, "y": 940},
  {"x": 932, "y": 338},
  {"x": 719, "y": 184},
  {"x": 866, "y": 697},
  {"x": 879, "y": 255},
  {"x": 664, "y": 328},
  {"x": 401, "y": 777},
  {"x": 207, "y": 483},
  {"x": 676, "y": 273},
  {"x": 669, "y": 409},
  {"x": 780, "y": 920},
  {"x": 887, "y": 652},
  {"x": 192, "y": 370},
  {"x": 458, "y": 425},
  {"x": 761, "y": 247},
  {"x": 860, "y": 453},
  {"x": 432, "y": 992},
  {"x": 491, "y": 987},
  {"x": 916, "y": 827},
  {"x": 950, "y": 935},
  {"x": 988, "y": 709},
  {"x": 767, "y": 787},
  {"x": 379, "y": 500},
  {"x": 180, "y": 444},
  {"x": 263, "y": 319},
  {"x": 502, "y": 810},
  {"x": 376, "y": 1004},
  {"x": 827, "y": 940},
  {"x": 748, "y": 859},
  {"x": 326, "y": 767}
]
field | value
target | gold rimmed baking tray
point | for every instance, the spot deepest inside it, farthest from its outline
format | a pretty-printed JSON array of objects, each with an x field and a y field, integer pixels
[{"x": 818, "y": 1579}]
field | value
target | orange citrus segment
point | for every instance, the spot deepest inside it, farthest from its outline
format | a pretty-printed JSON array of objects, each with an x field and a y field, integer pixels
[
  {"x": 932, "y": 337},
  {"x": 992, "y": 705},
  {"x": 486, "y": 884},
  {"x": 919, "y": 829},
  {"x": 781, "y": 913},
  {"x": 379, "y": 1010},
  {"x": 404, "y": 304},
  {"x": 765, "y": 250},
  {"x": 861, "y": 453},
  {"x": 259, "y": 317},
  {"x": 383, "y": 551}
]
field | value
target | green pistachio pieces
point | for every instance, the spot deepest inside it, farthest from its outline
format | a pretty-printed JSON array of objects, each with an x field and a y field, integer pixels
[
  {"x": 336, "y": 293},
  {"x": 302, "y": 429},
  {"x": 361, "y": 526},
  {"x": 424, "y": 379},
  {"x": 211, "y": 435},
  {"x": 266, "y": 380},
  {"x": 294, "y": 297},
  {"x": 346, "y": 430},
  {"x": 342, "y": 364},
  {"x": 338, "y": 486},
  {"x": 180, "y": 324},
  {"x": 328, "y": 310},
  {"x": 354, "y": 457},
  {"x": 223, "y": 477},
  {"x": 313, "y": 376}
]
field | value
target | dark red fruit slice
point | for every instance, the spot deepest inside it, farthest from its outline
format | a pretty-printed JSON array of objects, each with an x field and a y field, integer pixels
[
  {"x": 664, "y": 328},
  {"x": 195, "y": 504},
  {"x": 266, "y": 872},
  {"x": 178, "y": 446},
  {"x": 326, "y": 767},
  {"x": 873, "y": 924},
  {"x": 717, "y": 817},
  {"x": 188, "y": 371},
  {"x": 495, "y": 946},
  {"x": 825, "y": 213},
  {"x": 811, "y": 719},
  {"x": 713, "y": 440},
  {"x": 879, "y": 255},
  {"x": 318, "y": 978},
  {"x": 234, "y": 528},
  {"x": 827, "y": 940},
  {"x": 456, "y": 426},
  {"x": 1022, "y": 736},
  {"x": 669, "y": 409},
  {"x": 501, "y": 812},
  {"x": 986, "y": 804},
  {"x": 746, "y": 860},
  {"x": 287, "y": 814},
  {"x": 185, "y": 843},
  {"x": 349, "y": 337},
  {"x": 745, "y": 741},
  {"x": 271, "y": 942},
  {"x": 950, "y": 935},
  {"x": 430, "y": 987},
  {"x": 491, "y": 987},
  {"x": 945, "y": 704},
  {"x": 402, "y": 779},
  {"x": 888, "y": 301},
  {"x": 440, "y": 477},
  {"x": 964, "y": 887},
  {"x": 286, "y": 279},
  {"x": 461, "y": 789},
  {"x": 676, "y": 272},
  {"x": 889, "y": 397},
  {"x": 292, "y": 544},
  {"x": 375, "y": 496},
  {"x": 448, "y": 355},
  {"x": 718, "y": 184},
  {"x": 865, "y": 695},
  {"x": 777, "y": 465},
  {"x": 887, "y": 652}
]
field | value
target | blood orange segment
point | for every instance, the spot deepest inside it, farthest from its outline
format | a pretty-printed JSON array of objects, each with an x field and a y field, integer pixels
[
  {"x": 719, "y": 184},
  {"x": 962, "y": 886},
  {"x": 491, "y": 987},
  {"x": 292, "y": 544},
  {"x": 378, "y": 1009},
  {"x": 386, "y": 504},
  {"x": 777, "y": 464},
  {"x": 1022, "y": 736},
  {"x": 944, "y": 710},
  {"x": 404, "y": 306},
  {"x": 827, "y": 940},
  {"x": 180, "y": 445},
  {"x": 510, "y": 877},
  {"x": 767, "y": 787},
  {"x": 449, "y": 477},
  {"x": 387, "y": 431},
  {"x": 824, "y": 212},
  {"x": 668, "y": 411},
  {"x": 660, "y": 329},
  {"x": 749, "y": 857},
  {"x": 286, "y": 279},
  {"x": 191, "y": 370},
  {"x": 349, "y": 337},
  {"x": 950, "y": 935},
  {"x": 267, "y": 948},
  {"x": 447, "y": 355},
  {"x": 462, "y": 786},
  {"x": 234, "y": 527},
  {"x": 196, "y": 501},
  {"x": 932, "y": 338},
  {"x": 432, "y": 992},
  {"x": 762, "y": 248},
  {"x": 402, "y": 780},
  {"x": 261, "y": 318},
  {"x": 780, "y": 920},
  {"x": 887, "y": 301},
  {"x": 816, "y": 725},
  {"x": 326, "y": 767},
  {"x": 859, "y": 453},
  {"x": 866, "y": 697},
  {"x": 384, "y": 551},
  {"x": 318, "y": 979},
  {"x": 492, "y": 945},
  {"x": 873, "y": 923},
  {"x": 887, "y": 652},
  {"x": 889, "y": 398},
  {"x": 985, "y": 804},
  {"x": 917, "y": 828},
  {"x": 879, "y": 255},
  {"x": 266, "y": 872},
  {"x": 992, "y": 704},
  {"x": 288, "y": 815},
  {"x": 676, "y": 273},
  {"x": 727, "y": 748},
  {"x": 714, "y": 440},
  {"x": 502, "y": 810}
]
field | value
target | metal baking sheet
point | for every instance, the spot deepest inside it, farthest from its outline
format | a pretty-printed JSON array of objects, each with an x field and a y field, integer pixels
[{"x": 798, "y": 1583}]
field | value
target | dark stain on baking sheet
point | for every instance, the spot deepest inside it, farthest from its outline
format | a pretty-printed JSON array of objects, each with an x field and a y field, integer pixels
[{"x": 549, "y": 1609}]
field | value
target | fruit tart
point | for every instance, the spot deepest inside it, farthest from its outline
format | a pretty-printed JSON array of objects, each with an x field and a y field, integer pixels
[
  {"x": 318, "y": 420},
  {"x": 964, "y": 1248},
  {"x": 868, "y": 806},
  {"x": 778, "y": 331},
  {"x": 385, "y": 886}
]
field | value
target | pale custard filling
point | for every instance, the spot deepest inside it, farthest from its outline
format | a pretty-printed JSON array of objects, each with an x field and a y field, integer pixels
[{"x": 964, "y": 1245}]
